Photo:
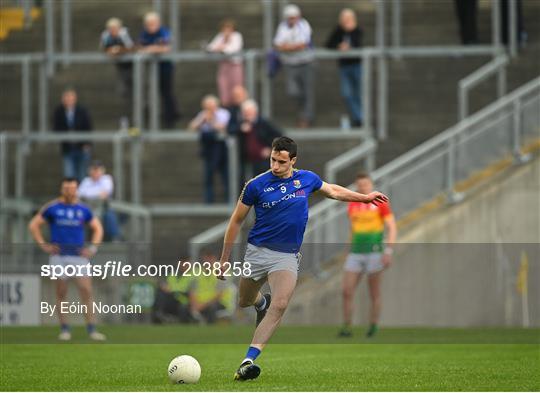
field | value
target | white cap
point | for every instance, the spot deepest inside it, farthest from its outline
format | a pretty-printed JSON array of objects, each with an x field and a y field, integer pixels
[{"x": 291, "y": 11}]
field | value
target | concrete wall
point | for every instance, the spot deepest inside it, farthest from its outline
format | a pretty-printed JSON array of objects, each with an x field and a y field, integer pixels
[{"x": 458, "y": 267}]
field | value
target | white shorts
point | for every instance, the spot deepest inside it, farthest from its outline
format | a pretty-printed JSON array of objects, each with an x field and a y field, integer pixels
[
  {"x": 364, "y": 263},
  {"x": 71, "y": 260},
  {"x": 263, "y": 261}
]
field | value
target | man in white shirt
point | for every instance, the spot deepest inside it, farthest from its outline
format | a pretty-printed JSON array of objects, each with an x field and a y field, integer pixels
[
  {"x": 293, "y": 41},
  {"x": 97, "y": 189}
]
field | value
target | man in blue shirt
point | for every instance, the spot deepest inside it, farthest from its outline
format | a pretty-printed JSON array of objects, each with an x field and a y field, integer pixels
[
  {"x": 156, "y": 39},
  {"x": 66, "y": 218},
  {"x": 280, "y": 198}
]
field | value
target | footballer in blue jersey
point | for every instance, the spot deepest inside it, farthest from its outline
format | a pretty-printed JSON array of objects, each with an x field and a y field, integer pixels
[
  {"x": 67, "y": 218},
  {"x": 280, "y": 199}
]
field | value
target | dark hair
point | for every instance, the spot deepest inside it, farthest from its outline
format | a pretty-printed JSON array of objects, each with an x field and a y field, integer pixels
[
  {"x": 363, "y": 175},
  {"x": 284, "y": 143},
  {"x": 69, "y": 180}
]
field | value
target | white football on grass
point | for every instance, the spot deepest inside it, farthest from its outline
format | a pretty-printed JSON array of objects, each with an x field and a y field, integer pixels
[{"x": 184, "y": 369}]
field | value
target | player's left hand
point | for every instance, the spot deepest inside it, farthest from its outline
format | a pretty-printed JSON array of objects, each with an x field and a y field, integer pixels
[{"x": 376, "y": 197}]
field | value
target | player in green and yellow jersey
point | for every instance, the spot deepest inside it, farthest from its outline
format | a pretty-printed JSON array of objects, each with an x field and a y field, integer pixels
[{"x": 370, "y": 253}]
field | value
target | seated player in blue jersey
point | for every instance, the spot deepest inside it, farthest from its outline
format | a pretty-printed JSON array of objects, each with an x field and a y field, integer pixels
[
  {"x": 66, "y": 218},
  {"x": 280, "y": 198}
]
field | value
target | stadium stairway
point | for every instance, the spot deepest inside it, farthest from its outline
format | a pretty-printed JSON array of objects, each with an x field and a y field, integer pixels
[{"x": 423, "y": 92}]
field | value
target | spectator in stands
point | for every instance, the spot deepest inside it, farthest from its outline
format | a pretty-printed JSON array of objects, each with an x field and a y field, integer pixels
[
  {"x": 255, "y": 135},
  {"x": 208, "y": 299},
  {"x": 231, "y": 70},
  {"x": 521, "y": 34},
  {"x": 156, "y": 39},
  {"x": 211, "y": 123},
  {"x": 97, "y": 191},
  {"x": 115, "y": 42},
  {"x": 238, "y": 96},
  {"x": 72, "y": 117},
  {"x": 293, "y": 41},
  {"x": 467, "y": 11},
  {"x": 346, "y": 36},
  {"x": 173, "y": 298}
]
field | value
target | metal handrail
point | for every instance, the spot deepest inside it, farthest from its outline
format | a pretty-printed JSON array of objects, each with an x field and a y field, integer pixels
[
  {"x": 136, "y": 140},
  {"x": 367, "y": 54},
  {"x": 268, "y": 22},
  {"x": 193, "y": 55},
  {"x": 365, "y": 151},
  {"x": 13, "y": 205},
  {"x": 323, "y": 212},
  {"x": 497, "y": 65},
  {"x": 445, "y": 136}
]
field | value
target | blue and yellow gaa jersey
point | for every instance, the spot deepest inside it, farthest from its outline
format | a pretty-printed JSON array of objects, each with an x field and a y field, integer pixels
[{"x": 281, "y": 208}]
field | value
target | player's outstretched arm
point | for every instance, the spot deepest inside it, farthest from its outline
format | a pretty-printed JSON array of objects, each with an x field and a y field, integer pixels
[
  {"x": 334, "y": 191},
  {"x": 235, "y": 223}
]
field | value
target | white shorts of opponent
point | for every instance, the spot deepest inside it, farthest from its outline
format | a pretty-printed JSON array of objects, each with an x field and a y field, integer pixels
[{"x": 368, "y": 263}]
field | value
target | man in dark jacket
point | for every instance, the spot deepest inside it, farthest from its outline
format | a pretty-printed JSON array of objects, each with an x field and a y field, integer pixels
[
  {"x": 255, "y": 136},
  {"x": 70, "y": 116},
  {"x": 239, "y": 95},
  {"x": 155, "y": 39},
  {"x": 346, "y": 36}
]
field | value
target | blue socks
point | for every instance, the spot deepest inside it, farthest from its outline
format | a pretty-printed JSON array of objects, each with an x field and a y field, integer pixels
[
  {"x": 252, "y": 354},
  {"x": 64, "y": 327},
  {"x": 90, "y": 328}
]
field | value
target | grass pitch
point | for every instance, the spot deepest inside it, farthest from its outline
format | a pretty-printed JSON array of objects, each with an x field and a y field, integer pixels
[{"x": 509, "y": 359}]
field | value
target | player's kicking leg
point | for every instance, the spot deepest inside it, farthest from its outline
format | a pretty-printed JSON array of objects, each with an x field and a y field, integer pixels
[
  {"x": 85, "y": 292},
  {"x": 249, "y": 294},
  {"x": 282, "y": 284}
]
